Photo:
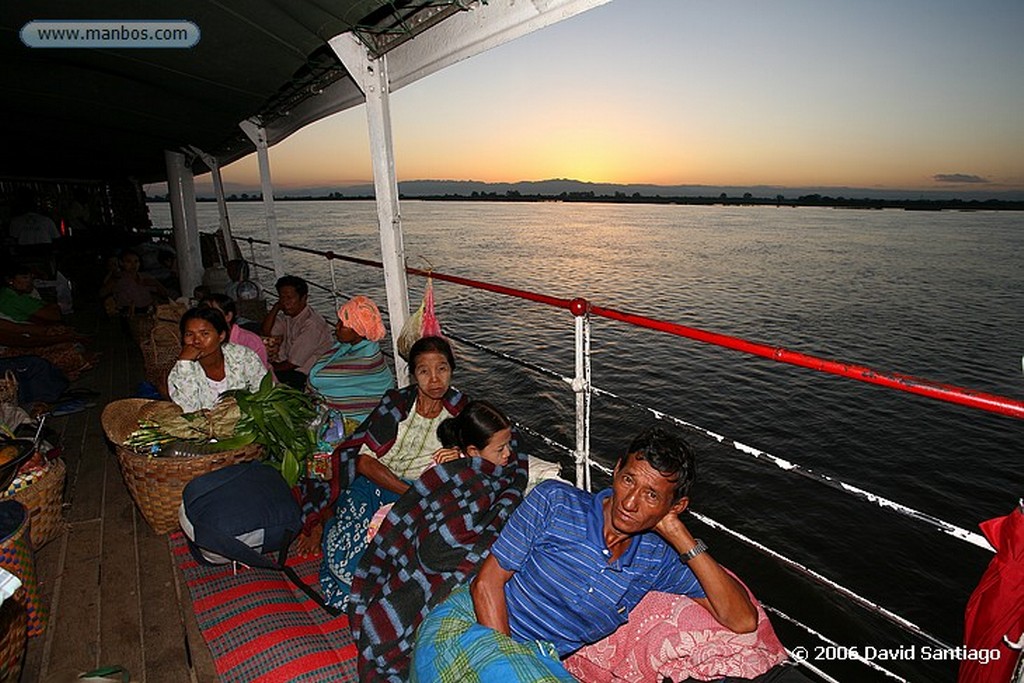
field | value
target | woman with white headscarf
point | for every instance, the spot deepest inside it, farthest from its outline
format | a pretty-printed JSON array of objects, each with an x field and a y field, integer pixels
[{"x": 353, "y": 375}]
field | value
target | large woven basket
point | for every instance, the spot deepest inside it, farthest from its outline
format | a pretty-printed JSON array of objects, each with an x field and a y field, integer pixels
[
  {"x": 155, "y": 483},
  {"x": 44, "y": 500},
  {"x": 16, "y": 556}
]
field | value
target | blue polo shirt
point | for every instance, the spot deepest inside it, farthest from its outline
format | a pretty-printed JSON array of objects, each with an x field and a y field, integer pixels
[{"x": 564, "y": 589}]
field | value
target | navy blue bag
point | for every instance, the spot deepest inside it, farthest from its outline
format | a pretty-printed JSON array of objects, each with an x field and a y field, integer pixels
[{"x": 239, "y": 514}]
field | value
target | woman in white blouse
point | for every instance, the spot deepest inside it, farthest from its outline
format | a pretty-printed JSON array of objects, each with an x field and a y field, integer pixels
[{"x": 208, "y": 364}]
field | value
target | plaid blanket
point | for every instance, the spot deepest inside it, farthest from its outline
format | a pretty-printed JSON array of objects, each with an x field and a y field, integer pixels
[
  {"x": 378, "y": 433},
  {"x": 433, "y": 540},
  {"x": 453, "y": 648}
]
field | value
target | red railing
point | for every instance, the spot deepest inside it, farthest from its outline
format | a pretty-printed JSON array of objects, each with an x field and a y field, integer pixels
[{"x": 908, "y": 383}]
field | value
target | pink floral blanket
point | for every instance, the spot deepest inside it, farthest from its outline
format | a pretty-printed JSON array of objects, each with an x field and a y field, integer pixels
[{"x": 671, "y": 636}]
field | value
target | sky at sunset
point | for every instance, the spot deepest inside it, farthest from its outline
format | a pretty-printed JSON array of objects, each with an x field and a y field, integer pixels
[{"x": 915, "y": 94}]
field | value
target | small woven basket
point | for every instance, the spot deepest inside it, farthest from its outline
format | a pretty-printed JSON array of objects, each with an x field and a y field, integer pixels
[
  {"x": 44, "y": 500},
  {"x": 155, "y": 483},
  {"x": 141, "y": 326},
  {"x": 9, "y": 388},
  {"x": 161, "y": 348},
  {"x": 13, "y": 639}
]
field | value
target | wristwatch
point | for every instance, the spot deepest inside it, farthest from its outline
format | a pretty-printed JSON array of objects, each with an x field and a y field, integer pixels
[{"x": 693, "y": 552}]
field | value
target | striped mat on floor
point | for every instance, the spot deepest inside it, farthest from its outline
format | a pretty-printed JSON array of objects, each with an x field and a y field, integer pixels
[{"x": 261, "y": 628}]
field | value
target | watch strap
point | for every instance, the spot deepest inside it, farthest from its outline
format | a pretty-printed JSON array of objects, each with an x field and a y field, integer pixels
[{"x": 693, "y": 552}]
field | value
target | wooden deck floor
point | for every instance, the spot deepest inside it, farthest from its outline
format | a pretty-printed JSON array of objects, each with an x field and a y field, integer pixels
[{"x": 114, "y": 594}]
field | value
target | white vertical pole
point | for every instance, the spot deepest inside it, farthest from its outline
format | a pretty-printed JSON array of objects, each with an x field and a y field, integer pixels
[
  {"x": 587, "y": 395},
  {"x": 181, "y": 193},
  {"x": 372, "y": 78},
  {"x": 222, "y": 210},
  {"x": 222, "y": 205},
  {"x": 581, "y": 386},
  {"x": 258, "y": 135}
]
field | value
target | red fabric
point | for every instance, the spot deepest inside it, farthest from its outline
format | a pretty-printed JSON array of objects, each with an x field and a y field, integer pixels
[
  {"x": 996, "y": 607},
  {"x": 431, "y": 325},
  {"x": 671, "y": 636}
]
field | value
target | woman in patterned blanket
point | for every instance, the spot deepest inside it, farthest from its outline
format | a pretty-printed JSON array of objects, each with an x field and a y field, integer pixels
[
  {"x": 434, "y": 538},
  {"x": 378, "y": 463}
]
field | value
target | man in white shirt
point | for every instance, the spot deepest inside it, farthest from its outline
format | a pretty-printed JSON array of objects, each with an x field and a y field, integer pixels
[{"x": 305, "y": 335}]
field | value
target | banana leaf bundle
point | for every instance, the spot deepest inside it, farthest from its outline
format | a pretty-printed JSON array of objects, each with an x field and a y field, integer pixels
[
  {"x": 196, "y": 433},
  {"x": 279, "y": 418}
]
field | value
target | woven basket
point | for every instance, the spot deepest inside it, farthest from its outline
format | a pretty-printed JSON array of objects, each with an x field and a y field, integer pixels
[
  {"x": 160, "y": 352},
  {"x": 156, "y": 483},
  {"x": 9, "y": 388},
  {"x": 13, "y": 639},
  {"x": 16, "y": 556},
  {"x": 140, "y": 326},
  {"x": 44, "y": 500}
]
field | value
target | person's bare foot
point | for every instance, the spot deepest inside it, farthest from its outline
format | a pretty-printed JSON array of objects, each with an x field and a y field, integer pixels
[{"x": 308, "y": 545}]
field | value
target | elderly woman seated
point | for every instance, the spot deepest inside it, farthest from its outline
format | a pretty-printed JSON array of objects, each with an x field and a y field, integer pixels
[
  {"x": 208, "y": 364},
  {"x": 378, "y": 463},
  {"x": 352, "y": 376}
]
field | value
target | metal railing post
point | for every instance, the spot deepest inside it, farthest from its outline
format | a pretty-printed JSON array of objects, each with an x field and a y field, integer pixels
[
  {"x": 334, "y": 279},
  {"x": 580, "y": 309}
]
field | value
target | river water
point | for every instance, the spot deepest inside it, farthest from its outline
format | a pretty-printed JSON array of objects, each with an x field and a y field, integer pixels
[{"x": 938, "y": 295}]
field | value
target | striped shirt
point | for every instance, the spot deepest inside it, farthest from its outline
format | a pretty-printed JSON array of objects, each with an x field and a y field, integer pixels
[{"x": 564, "y": 589}]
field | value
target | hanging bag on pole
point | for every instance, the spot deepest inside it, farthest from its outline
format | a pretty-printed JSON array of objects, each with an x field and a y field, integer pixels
[{"x": 422, "y": 323}]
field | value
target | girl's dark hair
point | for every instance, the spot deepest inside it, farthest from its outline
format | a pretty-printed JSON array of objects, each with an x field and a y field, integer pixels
[
  {"x": 222, "y": 301},
  {"x": 430, "y": 345},
  {"x": 474, "y": 426},
  {"x": 210, "y": 315}
]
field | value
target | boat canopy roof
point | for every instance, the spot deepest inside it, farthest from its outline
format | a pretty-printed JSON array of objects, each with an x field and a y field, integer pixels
[{"x": 88, "y": 114}]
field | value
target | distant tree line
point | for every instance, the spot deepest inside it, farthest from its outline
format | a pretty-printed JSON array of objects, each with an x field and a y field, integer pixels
[{"x": 746, "y": 199}]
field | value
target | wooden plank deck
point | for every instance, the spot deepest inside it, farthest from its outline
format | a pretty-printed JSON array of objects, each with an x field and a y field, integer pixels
[{"x": 114, "y": 594}]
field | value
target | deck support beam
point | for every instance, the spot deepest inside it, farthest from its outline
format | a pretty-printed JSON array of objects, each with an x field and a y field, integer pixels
[
  {"x": 223, "y": 219},
  {"x": 181, "y": 192},
  {"x": 371, "y": 75},
  {"x": 255, "y": 132}
]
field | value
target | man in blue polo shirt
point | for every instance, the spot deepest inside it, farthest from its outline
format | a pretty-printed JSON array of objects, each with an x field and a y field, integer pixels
[{"x": 569, "y": 566}]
